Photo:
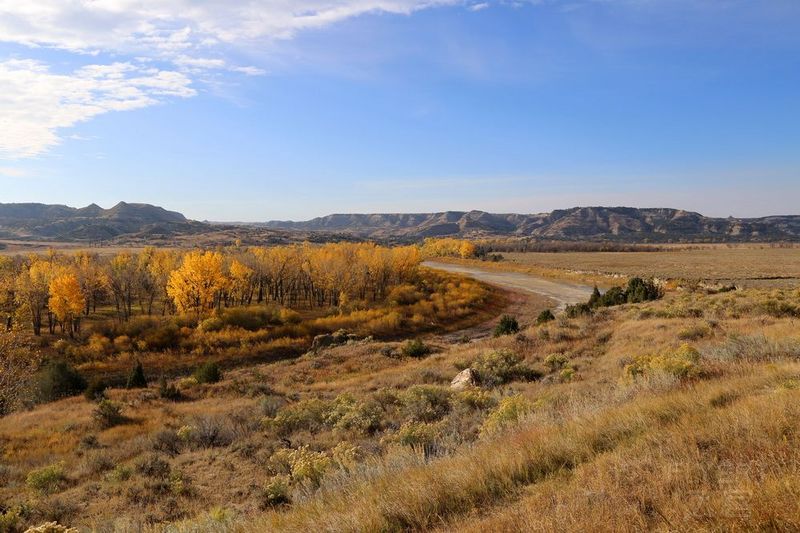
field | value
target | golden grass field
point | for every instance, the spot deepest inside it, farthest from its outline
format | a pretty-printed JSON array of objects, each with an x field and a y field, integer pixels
[{"x": 678, "y": 414}]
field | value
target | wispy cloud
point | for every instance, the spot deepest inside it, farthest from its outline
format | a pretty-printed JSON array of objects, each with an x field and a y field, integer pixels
[
  {"x": 36, "y": 103},
  {"x": 189, "y": 37},
  {"x": 478, "y": 7}
]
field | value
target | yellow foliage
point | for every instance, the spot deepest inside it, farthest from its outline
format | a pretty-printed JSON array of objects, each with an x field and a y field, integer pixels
[
  {"x": 195, "y": 287},
  {"x": 448, "y": 247},
  {"x": 681, "y": 363},
  {"x": 66, "y": 298}
]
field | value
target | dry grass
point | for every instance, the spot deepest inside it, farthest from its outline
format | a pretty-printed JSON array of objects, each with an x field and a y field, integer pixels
[{"x": 601, "y": 448}]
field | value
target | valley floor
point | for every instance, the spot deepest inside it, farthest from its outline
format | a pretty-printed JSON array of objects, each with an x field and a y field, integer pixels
[{"x": 678, "y": 414}]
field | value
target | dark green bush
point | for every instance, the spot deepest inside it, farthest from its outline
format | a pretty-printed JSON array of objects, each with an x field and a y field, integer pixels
[
  {"x": 136, "y": 379},
  {"x": 96, "y": 390},
  {"x": 416, "y": 348},
  {"x": 508, "y": 325},
  {"x": 208, "y": 373},
  {"x": 545, "y": 316},
  {"x": 58, "y": 380},
  {"x": 640, "y": 290}
]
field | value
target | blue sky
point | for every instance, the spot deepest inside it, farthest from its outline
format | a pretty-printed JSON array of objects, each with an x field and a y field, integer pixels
[{"x": 277, "y": 109}]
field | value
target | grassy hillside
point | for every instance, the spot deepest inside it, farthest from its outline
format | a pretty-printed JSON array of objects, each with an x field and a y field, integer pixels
[{"x": 675, "y": 414}]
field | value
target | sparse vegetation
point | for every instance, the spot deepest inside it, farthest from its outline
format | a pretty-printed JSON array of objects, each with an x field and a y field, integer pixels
[{"x": 683, "y": 391}]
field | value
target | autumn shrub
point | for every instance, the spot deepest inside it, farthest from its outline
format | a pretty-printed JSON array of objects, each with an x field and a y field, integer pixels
[
  {"x": 58, "y": 380},
  {"x": 99, "y": 345},
  {"x": 426, "y": 403},
  {"x": 405, "y": 294},
  {"x": 422, "y": 434},
  {"x": 277, "y": 491},
  {"x": 476, "y": 399},
  {"x": 48, "y": 479},
  {"x": 137, "y": 379},
  {"x": 502, "y": 366},
  {"x": 303, "y": 415},
  {"x": 555, "y": 361},
  {"x": 508, "y": 325},
  {"x": 348, "y": 413},
  {"x": 304, "y": 465},
  {"x": 509, "y": 412},
  {"x": 123, "y": 343},
  {"x": 208, "y": 372},
  {"x": 249, "y": 318},
  {"x": 681, "y": 363},
  {"x": 415, "y": 348},
  {"x": 108, "y": 414}
]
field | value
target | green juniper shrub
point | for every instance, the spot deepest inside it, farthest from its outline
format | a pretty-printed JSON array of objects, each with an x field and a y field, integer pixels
[
  {"x": 96, "y": 390},
  {"x": 58, "y": 380},
  {"x": 136, "y": 379},
  {"x": 544, "y": 317},
  {"x": 507, "y": 326},
  {"x": 208, "y": 373},
  {"x": 416, "y": 348}
]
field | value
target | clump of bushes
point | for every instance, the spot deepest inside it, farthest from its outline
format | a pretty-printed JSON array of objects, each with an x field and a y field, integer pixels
[
  {"x": 58, "y": 380},
  {"x": 416, "y": 348},
  {"x": 47, "y": 480},
  {"x": 502, "y": 366},
  {"x": 508, "y": 325},
  {"x": 208, "y": 373},
  {"x": 509, "y": 412},
  {"x": 168, "y": 391},
  {"x": 681, "y": 363}
]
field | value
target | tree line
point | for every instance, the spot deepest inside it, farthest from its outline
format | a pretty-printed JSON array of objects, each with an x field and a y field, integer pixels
[{"x": 57, "y": 290}]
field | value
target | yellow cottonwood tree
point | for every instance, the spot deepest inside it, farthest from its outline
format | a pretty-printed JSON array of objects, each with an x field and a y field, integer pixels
[
  {"x": 66, "y": 301},
  {"x": 197, "y": 286}
]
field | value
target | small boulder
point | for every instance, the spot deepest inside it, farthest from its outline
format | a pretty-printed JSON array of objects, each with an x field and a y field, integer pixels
[{"x": 465, "y": 378}]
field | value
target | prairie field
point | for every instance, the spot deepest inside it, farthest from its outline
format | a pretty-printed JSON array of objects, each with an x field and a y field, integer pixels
[{"x": 671, "y": 407}]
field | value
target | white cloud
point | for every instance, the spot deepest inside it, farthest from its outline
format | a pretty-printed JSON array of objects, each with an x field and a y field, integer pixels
[
  {"x": 478, "y": 7},
  {"x": 36, "y": 103},
  {"x": 193, "y": 36},
  {"x": 171, "y": 27}
]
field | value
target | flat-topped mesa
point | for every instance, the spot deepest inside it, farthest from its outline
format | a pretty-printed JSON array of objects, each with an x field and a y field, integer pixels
[{"x": 629, "y": 224}]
